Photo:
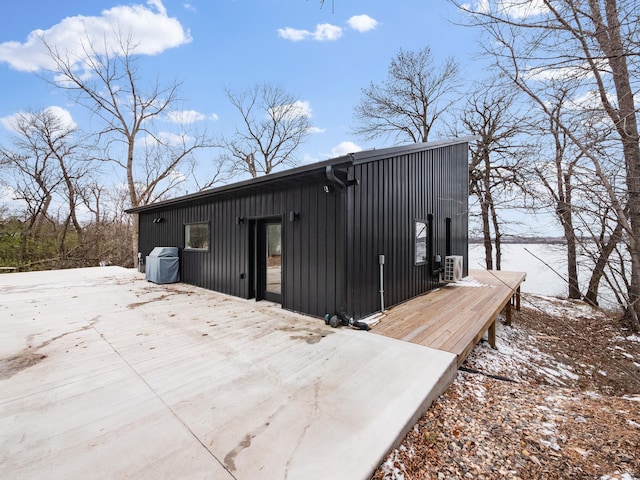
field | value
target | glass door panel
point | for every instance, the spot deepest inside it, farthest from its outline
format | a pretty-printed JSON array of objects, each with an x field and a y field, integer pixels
[{"x": 274, "y": 258}]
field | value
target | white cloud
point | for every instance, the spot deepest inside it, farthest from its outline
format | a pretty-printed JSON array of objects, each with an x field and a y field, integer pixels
[
  {"x": 362, "y": 23},
  {"x": 9, "y": 122},
  {"x": 301, "y": 109},
  {"x": 326, "y": 31},
  {"x": 591, "y": 100},
  {"x": 313, "y": 130},
  {"x": 344, "y": 148},
  {"x": 189, "y": 7},
  {"x": 292, "y": 110},
  {"x": 177, "y": 176},
  {"x": 479, "y": 6},
  {"x": 63, "y": 115},
  {"x": 185, "y": 116},
  {"x": 522, "y": 9},
  {"x": 158, "y": 6},
  {"x": 10, "y": 198},
  {"x": 165, "y": 138},
  {"x": 308, "y": 158},
  {"x": 150, "y": 27},
  {"x": 516, "y": 9},
  {"x": 293, "y": 34},
  {"x": 545, "y": 72},
  {"x": 323, "y": 32}
]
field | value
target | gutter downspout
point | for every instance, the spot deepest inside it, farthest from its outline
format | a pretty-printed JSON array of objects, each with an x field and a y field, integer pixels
[
  {"x": 331, "y": 176},
  {"x": 341, "y": 186}
]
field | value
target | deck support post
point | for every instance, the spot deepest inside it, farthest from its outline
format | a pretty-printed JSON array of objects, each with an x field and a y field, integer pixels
[
  {"x": 492, "y": 333},
  {"x": 507, "y": 312},
  {"x": 518, "y": 298}
]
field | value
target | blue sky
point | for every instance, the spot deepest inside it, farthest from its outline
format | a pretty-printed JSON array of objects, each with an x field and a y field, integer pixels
[{"x": 324, "y": 56}]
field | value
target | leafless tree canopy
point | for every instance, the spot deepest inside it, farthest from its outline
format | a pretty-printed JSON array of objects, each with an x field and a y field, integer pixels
[
  {"x": 592, "y": 44},
  {"x": 273, "y": 125},
  {"x": 495, "y": 171},
  {"x": 414, "y": 96},
  {"x": 46, "y": 169},
  {"x": 107, "y": 83}
]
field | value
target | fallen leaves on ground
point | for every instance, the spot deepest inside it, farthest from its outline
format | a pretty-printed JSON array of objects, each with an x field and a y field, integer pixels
[{"x": 567, "y": 404}]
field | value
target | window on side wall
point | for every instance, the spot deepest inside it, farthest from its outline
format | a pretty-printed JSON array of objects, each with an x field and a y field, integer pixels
[
  {"x": 421, "y": 242},
  {"x": 196, "y": 236}
]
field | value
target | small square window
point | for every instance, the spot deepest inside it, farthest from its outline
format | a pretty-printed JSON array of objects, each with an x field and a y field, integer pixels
[
  {"x": 421, "y": 242},
  {"x": 196, "y": 236}
]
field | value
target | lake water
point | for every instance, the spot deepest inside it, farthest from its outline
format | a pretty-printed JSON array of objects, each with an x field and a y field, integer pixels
[{"x": 540, "y": 278}]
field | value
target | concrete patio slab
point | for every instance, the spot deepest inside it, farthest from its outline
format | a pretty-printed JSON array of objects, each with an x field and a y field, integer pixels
[{"x": 104, "y": 375}]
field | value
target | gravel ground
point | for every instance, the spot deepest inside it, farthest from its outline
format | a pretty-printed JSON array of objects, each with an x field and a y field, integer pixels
[{"x": 559, "y": 399}]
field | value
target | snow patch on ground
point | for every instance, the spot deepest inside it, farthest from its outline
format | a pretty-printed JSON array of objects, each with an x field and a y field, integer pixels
[
  {"x": 469, "y": 282},
  {"x": 558, "y": 307},
  {"x": 473, "y": 387},
  {"x": 516, "y": 356},
  {"x": 393, "y": 468},
  {"x": 619, "y": 476}
]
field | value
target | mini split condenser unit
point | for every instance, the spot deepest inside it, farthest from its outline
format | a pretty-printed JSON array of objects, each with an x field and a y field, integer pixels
[{"x": 453, "y": 268}]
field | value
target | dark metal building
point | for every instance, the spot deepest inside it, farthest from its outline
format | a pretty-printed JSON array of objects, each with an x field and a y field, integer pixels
[{"x": 311, "y": 238}]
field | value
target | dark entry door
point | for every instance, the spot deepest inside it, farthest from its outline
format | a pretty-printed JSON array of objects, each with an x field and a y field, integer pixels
[{"x": 269, "y": 260}]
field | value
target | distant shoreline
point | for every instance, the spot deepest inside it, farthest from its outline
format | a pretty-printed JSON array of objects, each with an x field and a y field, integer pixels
[{"x": 529, "y": 240}]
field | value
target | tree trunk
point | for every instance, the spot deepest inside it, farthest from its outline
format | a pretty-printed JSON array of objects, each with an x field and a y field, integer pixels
[
  {"x": 133, "y": 198},
  {"x": 134, "y": 237},
  {"x": 486, "y": 234},
  {"x": 491, "y": 209},
  {"x": 498, "y": 235},
  {"x": 609, "y": 38},
  {"x": 605, "y": 249},
  {"x": 563, "y": 211},
  {"x": 572, "y": 262}
]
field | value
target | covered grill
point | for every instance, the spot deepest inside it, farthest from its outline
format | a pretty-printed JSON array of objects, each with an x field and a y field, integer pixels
[{"x": 162, "y": 265}]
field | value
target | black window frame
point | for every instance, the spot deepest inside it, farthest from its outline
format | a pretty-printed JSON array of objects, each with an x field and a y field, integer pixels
[
  {"x": 208, "y": 237},
  {"x": 425, "y": 234}
]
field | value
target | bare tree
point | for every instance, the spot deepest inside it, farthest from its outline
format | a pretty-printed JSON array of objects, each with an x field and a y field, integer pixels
[
  {"x": 596, "y": 42},
  {"x": 569, "y": 187},
  {"x": 407, "y": 104},
  {"x": 35, "y": 171},
  {"x": 106, "y": 81},
  {"x": 494, "y": 170},
  {"x": 274, "y": 124},
  {"x": 558, "y": 178}
]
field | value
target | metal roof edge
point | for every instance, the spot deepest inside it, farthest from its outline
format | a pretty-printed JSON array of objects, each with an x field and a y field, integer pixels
[
  {"x": 349, "y": 159},
  {"x": 346, "y": 160},
  {"x": 373, "y": 155}
]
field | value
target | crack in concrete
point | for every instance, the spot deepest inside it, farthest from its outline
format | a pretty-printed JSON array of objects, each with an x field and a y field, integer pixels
[
  {"x": 230, "y": 458},
  {"x": 316, "y": 411}
]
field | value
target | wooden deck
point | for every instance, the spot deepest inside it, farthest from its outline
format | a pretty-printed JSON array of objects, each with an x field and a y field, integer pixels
[{"x": 455, "y": 317}]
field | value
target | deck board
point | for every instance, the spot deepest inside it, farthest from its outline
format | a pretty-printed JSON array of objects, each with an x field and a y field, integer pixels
[{"x": 455, "y": 317}]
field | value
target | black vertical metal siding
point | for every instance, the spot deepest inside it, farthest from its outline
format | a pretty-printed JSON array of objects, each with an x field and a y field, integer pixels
[
  {"x": 310, "y": 266},
  {"x": 393, "y": 193},
  {"x": 330, "y": 253}
]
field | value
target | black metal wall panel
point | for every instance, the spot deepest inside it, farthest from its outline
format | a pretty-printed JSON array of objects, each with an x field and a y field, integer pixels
[
  {"x": 310, "y": 268},
  {"x": 330, "y": 251},
  {"x": 392, "y": 194}
]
